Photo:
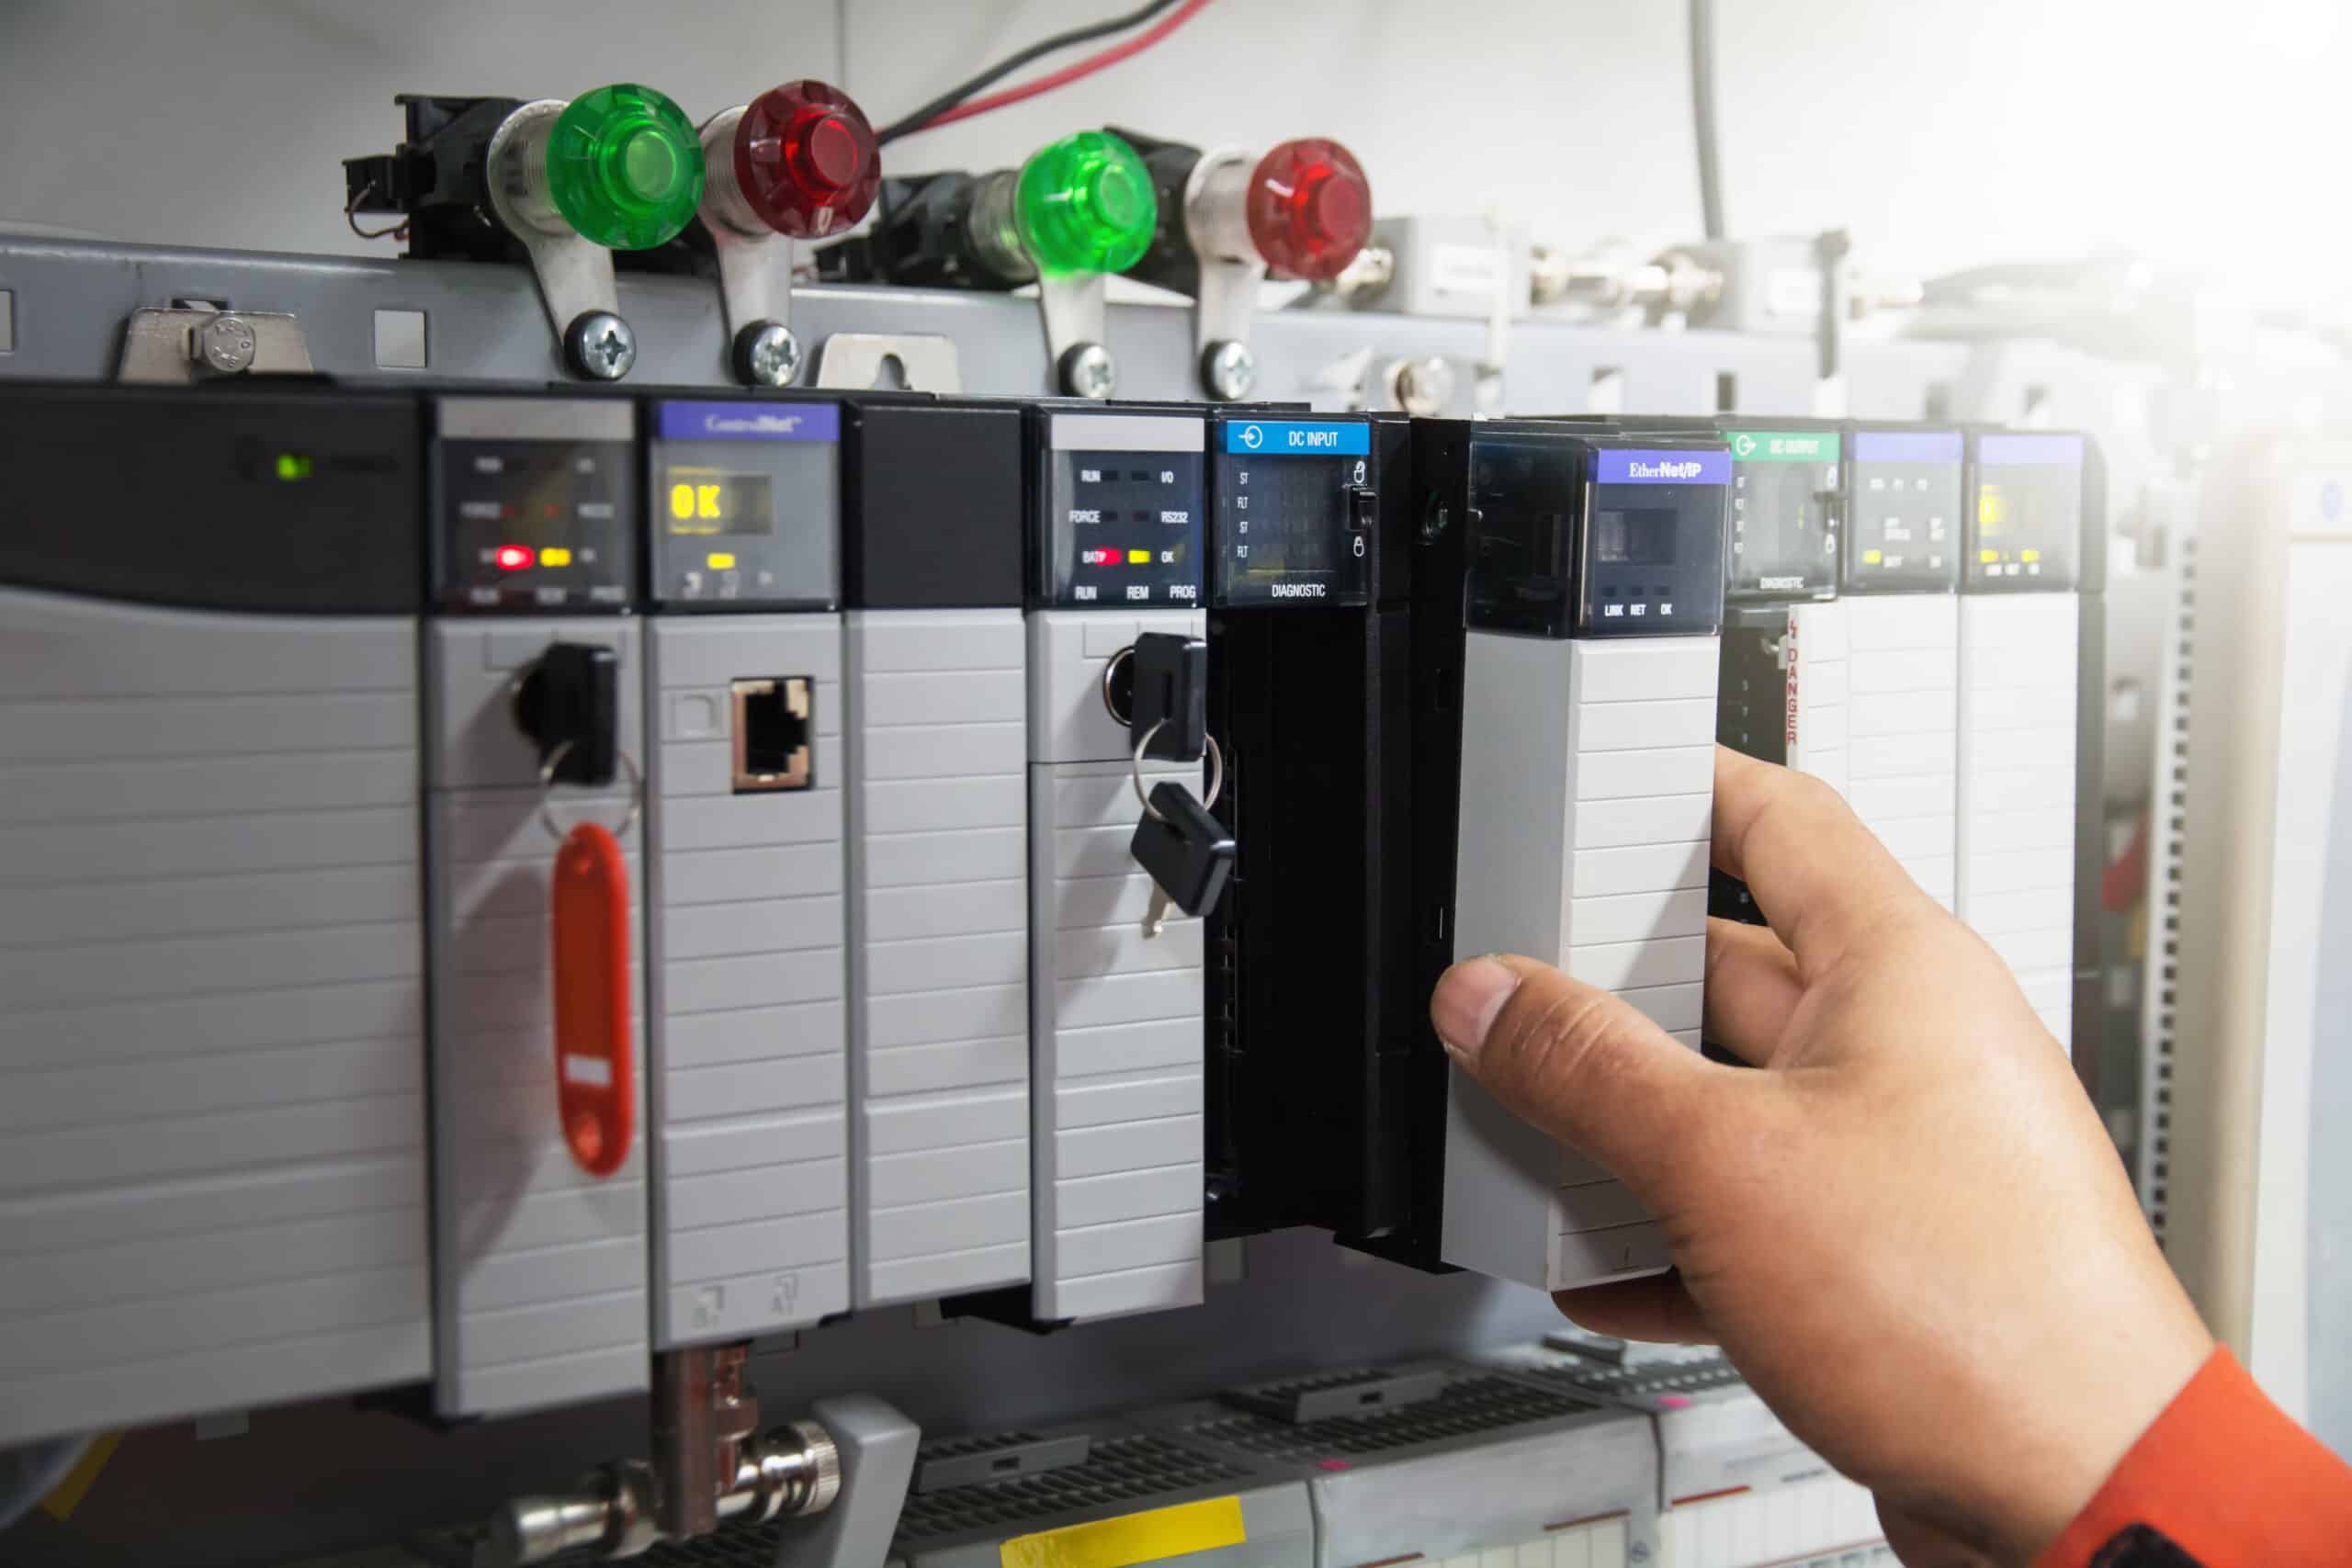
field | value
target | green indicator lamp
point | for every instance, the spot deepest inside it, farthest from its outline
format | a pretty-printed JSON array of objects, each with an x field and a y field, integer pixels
[
  {"x": 1085, "y": 205},
  {"x": 625, "y": 167}
]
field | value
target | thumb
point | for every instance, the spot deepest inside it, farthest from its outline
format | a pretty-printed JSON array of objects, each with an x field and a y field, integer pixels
[{"x": 1582, "y": 1064}]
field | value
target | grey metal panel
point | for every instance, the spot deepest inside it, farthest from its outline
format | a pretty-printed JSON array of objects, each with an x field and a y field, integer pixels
[
  {"x": 1125, "y": 432},
  {"x": 211, "y": 1171},
  {"x": 939, "y": 976},
  {"x": 540, "y": 1268},
  {"x": 759, "y": 1247},
  {"x": 534, "y": 419},
  {"x": 485, "y": 323}
]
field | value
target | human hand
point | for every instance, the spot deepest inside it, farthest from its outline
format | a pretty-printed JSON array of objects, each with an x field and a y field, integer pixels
[{"x": 1908, "y": 1230}]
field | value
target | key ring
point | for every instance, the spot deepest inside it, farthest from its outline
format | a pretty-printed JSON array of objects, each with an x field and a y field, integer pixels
[
  {"x": 547, "y": 787},
  {"x": 1216, "y": 772}
]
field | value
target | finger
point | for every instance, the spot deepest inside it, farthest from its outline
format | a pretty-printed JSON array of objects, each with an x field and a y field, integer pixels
[
  {"x": 1752, "y": 988},
  {"x": 1654, "y": 1307},
  {"x": 1823, "y": 879},
  {"x": 1582, "y": 1064}
]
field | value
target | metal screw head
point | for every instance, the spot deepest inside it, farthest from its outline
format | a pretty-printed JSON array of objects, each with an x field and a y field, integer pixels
[
  {"x": 1229, "y": 370},
  {"x": 225, "y": 344},
  {"x": 1639, "y": 1551},
  {"x": 600, "y": 345},
  {"x": 1421, "y": 387},
  {"x": 1089, "y": 371},
  {"x": 767, "y": 355}
]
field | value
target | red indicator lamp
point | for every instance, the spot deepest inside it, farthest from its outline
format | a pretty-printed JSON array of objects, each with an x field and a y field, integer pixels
[
  {"x": 1309, "y": 208},
  {"x": 514, "y": 557},
  {"x": 1098, "y": 557},
  {"x": 802, "y": 160}
]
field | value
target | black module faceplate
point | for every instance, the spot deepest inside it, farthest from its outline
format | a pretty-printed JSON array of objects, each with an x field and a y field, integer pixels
[
  {"x": 303, "y": 501},
  {"x": 1121, "y": 501}
]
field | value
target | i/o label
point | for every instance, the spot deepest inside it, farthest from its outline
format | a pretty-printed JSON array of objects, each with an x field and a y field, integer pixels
[{"x": 1298, "y": 438}]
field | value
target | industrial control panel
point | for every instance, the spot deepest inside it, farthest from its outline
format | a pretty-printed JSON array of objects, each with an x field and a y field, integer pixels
[{"x": 880, "y": 995}]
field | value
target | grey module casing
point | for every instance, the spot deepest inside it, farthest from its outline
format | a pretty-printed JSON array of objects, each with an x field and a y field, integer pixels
[
  {"x": 745, "y": 941},
  {"x": 212, "y": 1133},
  {"x": 540, "y": 1268},
  {"x": 1116, "y": 1018},
  {"x": 1588, "y": 790},
  {"x": 1486, "y": 1465},
  {"x": 939, "y": 957},
  {"x": 1903, "y": 755},
  {"x": 2014, "y": 878}
]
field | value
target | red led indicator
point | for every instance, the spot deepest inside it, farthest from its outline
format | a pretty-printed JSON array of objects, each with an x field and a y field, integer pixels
[
  {"x": 1098, "y": 557},
  {"x": 1309, "y": 208},
  {"x": 514, "y": 557},
  {"x": 806, "y": 158}
]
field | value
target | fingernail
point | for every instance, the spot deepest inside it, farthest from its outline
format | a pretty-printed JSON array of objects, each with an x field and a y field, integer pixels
[{"x": 1468, "y": 997}]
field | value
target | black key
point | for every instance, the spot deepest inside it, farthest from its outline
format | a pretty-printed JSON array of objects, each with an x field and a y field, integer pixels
[
  {"x": 1188, "y": 853},
  {"x": 1172, "y": 691}
]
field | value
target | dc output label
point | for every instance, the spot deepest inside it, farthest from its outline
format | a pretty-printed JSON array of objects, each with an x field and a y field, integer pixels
[{"x": 1296, "y": 438}]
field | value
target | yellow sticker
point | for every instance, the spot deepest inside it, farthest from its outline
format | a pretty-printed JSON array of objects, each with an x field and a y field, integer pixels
[
  {"x": 1153, "y": 1536},
  {"x": 67, "y": 1495}
]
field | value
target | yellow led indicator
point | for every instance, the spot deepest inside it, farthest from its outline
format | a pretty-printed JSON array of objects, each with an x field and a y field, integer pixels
[
  {"x": 1138, "y": 557},
  {"x": 1872, "y": 557},
  {"x": 721, "y": 560},
  {"x": 555, "y": 555},
  {"x": 2029, "y": 555},
  {"x": 681, "y": 501},
  {"x": 1988, "y": 556}
]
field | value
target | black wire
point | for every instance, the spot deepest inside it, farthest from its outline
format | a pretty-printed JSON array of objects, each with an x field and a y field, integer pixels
[
  {"x": 1702, "y": 115},
  {"x": 908, "y": 125}
]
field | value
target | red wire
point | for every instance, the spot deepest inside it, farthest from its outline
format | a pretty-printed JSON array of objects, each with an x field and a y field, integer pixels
[{"x": 1069, "y": 73}]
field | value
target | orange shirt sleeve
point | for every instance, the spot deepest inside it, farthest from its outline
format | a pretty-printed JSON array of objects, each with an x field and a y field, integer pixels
[{"x": 2224, "y": 1480}]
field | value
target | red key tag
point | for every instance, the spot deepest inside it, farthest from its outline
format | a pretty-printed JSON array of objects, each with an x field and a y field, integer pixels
[{"x": 595, "y": 1065}]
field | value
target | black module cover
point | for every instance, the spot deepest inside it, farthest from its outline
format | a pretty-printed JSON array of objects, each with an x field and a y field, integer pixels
[
  {"x": 292, "y": 500},
  {"x": 1584, "y": 535},
  {"x": 1906, "y": 504},
  {"x": 2027, "y": 492},
  {"x": 932, "y": 507},
  {"x": 1314, "y": 1054}
]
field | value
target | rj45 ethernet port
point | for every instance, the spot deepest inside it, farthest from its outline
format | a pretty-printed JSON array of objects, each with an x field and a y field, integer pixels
[{"x": 775, "y": 734}]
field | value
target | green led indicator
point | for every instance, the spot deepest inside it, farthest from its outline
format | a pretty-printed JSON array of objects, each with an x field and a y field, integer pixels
[
  {"x": 1085, "y": 205},
  {"x": 293, "y": 466},
  {"x": 625, "y": 167}
]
